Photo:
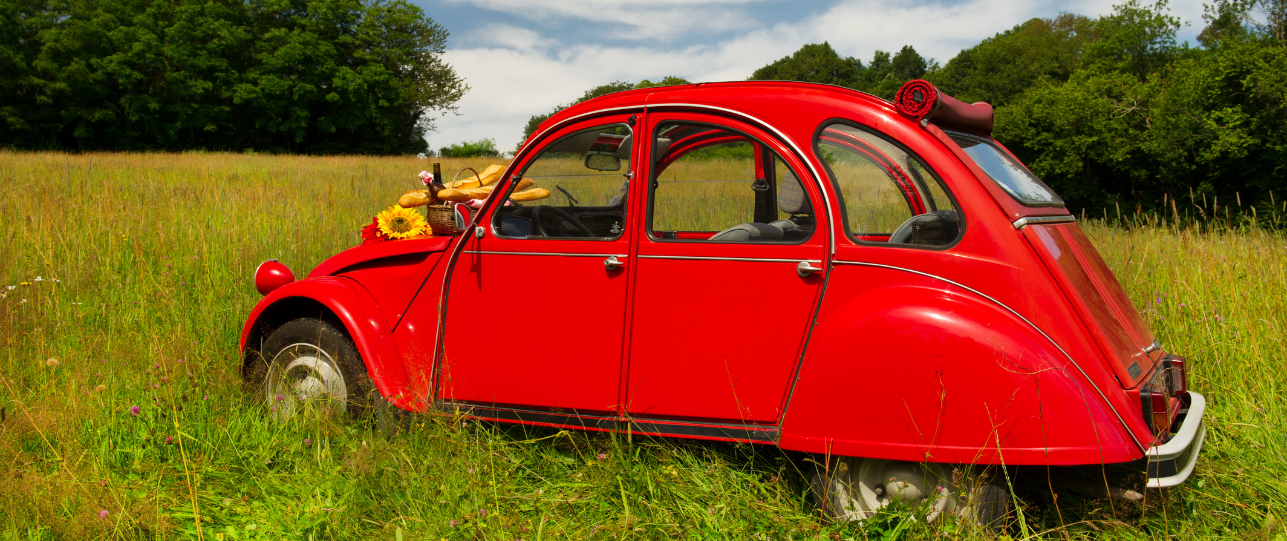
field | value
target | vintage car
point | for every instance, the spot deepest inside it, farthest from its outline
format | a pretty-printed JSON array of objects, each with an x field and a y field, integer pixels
[{"x": 880, "y": 285}]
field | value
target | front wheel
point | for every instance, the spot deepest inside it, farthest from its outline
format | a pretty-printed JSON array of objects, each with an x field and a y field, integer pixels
[
  {"x": 308, "y": 364},
  {"x": 853, "y": 488}
]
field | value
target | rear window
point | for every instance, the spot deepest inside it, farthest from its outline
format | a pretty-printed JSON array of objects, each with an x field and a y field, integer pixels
[{"x": 1008, "y": 173}]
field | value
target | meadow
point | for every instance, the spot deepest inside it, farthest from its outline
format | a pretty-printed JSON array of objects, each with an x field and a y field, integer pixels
[{"x": 126, "y": 279}]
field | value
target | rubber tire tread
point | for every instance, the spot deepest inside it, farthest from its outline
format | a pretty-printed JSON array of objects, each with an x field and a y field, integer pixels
[{"x": 362, "y": 395}]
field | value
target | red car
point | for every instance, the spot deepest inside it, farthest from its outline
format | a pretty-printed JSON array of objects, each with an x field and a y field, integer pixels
[{"x": 880, "y": 284}]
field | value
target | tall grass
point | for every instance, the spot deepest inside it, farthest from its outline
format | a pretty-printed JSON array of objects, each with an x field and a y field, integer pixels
[{"x": 144, "y": 264}]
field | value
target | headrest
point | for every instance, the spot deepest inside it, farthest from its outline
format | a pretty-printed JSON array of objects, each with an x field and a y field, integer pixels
[{"x": 791, "y": 196}]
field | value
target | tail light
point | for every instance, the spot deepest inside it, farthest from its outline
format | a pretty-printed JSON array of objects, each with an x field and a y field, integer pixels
[{"x": 1168, "y": 381}]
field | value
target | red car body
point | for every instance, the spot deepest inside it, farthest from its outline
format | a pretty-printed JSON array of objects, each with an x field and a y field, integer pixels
[{"x": 1014, "y": 345}]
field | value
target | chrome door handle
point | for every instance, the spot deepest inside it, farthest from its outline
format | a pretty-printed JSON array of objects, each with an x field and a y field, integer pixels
[
  {"x": 612, "y": 263},
  {"x": 804, "y": 269}
]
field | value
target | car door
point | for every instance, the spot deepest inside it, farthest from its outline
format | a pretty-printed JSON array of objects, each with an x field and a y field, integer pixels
[
  {"x": 536, "y": 306},
  {"x": 729, "y": 269}
]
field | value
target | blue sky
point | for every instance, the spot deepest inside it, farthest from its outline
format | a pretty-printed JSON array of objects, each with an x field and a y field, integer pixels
[{"x": 524, "y": 57}]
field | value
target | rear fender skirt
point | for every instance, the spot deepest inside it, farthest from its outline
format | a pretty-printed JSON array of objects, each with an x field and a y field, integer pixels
[
  {"x": 362, "y": 318},
  {"x": 914, "y": 370}
]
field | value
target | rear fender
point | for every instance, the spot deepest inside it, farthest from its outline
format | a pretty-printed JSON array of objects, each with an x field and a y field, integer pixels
[
  {"x": 932, "y": 372},
  {"x": 350, "y": 305}
]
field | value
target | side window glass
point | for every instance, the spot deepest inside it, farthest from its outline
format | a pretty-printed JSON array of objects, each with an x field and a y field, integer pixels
[
  {"x": 575, "y": 188},
  {"x": 717, "y": 185},
  {"x": 889, "y": 196}
]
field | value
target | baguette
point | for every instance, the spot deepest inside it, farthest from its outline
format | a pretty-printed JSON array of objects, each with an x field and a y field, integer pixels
[
  {"x": 453, "y": 195},
  {"x": 477, "y": 193},
  {"x": 524, "y": 184},
  {"x": 488, "y": 176},
  {"x": 415, "y": 198},
  {"x": 491, "y": 175},
  {"x": 531, "y": 195}
]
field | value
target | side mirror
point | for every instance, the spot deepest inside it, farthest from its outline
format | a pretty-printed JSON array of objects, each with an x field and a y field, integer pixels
[
  {"x": 603, "y": 162},
  {"x": 463, "y": 215}
]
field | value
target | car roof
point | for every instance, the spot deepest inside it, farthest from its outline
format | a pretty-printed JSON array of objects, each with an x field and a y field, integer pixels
[{"x": 708, "y": 92}]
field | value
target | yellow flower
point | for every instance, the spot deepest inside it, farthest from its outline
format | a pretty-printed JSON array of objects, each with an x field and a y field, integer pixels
[{"x": 400, "y": 223}]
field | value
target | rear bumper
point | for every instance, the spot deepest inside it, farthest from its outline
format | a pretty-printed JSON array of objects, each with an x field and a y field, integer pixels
[{"x": 1171, "y": 463}]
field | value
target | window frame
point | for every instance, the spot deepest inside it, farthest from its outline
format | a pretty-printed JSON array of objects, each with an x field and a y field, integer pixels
[
  {"x": 1006, "y": 155},
  {"x": 650, "y": 190},
  {"x": 840, "y": 197},
  {"x": 536, "y": 154}
]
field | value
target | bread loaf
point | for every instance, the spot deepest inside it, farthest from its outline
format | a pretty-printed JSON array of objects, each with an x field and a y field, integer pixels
[
  {"x": 491, "y": 175},
  {"x": 453, "y": 195},
  {"x": 531, "y": 195},
  {"x": 415, "y": 198},
  {"x": 524, "y": 184},
  {"x": 477, "y": 193}
]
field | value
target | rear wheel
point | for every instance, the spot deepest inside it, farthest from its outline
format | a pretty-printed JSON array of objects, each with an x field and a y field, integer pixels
[
  {"x": 853, "y": 488},
  {"x": 309, "y": 365}
]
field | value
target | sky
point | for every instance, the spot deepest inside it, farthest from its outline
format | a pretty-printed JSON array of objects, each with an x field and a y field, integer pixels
[{"x": 525, "y": 57}]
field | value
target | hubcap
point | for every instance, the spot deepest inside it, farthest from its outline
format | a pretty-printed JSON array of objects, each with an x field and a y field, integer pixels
[
  {"x": 863, "y": 485},
  {"x": 304, "y": 375}
]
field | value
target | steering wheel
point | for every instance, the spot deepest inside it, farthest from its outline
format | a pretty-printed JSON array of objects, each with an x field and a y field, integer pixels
[{"x": 562, "y": 214}]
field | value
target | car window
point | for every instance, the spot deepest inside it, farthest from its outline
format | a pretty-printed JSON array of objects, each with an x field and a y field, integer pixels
[
  {"x": 587, "y": 175},
  {"x": 713, "y": 184},
  {"x": 1008, "y": 173},
  {"x": 889, "y": 196}
]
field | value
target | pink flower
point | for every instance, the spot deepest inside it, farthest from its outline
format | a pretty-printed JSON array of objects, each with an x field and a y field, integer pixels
[
  {"x": 603, "y": 456},
  {"x": 134, "y": 411},
  {"x": 169, "y": 440},
  {"x": 102, "y": 514}
]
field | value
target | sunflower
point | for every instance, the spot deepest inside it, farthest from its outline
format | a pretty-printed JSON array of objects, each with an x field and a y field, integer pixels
[{"x": 401, "y": 223}]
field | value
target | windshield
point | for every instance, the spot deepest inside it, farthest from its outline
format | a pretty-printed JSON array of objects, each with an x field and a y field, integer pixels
[{"x": 1008, "y": 173}]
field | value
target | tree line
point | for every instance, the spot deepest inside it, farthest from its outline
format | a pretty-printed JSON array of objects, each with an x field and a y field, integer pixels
[{"x": 299, "y": 76}]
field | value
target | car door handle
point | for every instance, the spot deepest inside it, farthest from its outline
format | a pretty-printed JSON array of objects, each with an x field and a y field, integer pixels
[
  {"x": 804, "y": 269},
  {"x": 612, "y": 263}
]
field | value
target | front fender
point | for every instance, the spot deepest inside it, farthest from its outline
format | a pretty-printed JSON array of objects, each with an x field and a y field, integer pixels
[
  {"x": 927, "y": 371},
  {"x": 362, "y": 318}
]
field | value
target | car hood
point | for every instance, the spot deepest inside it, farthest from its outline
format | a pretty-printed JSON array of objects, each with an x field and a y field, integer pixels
[{"x": 338, "y": 263}]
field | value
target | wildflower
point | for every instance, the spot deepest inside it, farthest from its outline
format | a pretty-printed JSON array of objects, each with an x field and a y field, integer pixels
[
  {"x": 102, "y": 514},
  {"x": 453, "y": 523},
  {"x": 57, "y": 280},
  {"x": 482, "y": 512},
  {"x": 280, "y": 397},
  {"x": 471, "y": 470},
  {"x": 24, "y": 283},
  {"x": 225, "y": 501},
  {"x": 155, "y": 386},
  {"x": 603, "y": 456},
  {"x": 102, "y": 482},
  {"x": 135, "y": 411},
  {"x": 169, "y": 440},
  {"x": 710, "y": 511},
  {"x": 308, "y": 441},
  {"x": 11, "y": 288},
  {"x": 206, "y": 397},
  {"x": 180, "y": 361},
  {"x": 52, "y": 363},
  {"x": 100, "y": 388},
  {"x": 38, "y": 279}
]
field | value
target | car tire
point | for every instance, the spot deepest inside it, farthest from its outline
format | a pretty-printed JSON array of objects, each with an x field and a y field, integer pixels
[
  {"x": 310, "y": 364},
  {"x": 854, "y": 488}
]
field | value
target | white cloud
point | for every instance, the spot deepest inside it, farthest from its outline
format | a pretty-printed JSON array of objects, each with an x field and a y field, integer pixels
[
  {"x": 632, "y": 19},
  {"x": 515, "y": 73}
]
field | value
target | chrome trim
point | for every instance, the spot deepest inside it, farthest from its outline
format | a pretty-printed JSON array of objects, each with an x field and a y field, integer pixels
[
  {"x": 817, "y": 177},
  {"x": 1025, "y": 320},
  {"x": 564, "y": 254},
  {"x": 705, "y": 258},
  {"x": 1182, "y": 450},
  {"x": 1024, "y": 222}
]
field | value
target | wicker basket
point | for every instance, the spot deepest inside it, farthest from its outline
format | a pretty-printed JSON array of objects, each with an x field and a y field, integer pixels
[
  {"x": 442, "y": 216},
  {"x": 442, "y": 219}
]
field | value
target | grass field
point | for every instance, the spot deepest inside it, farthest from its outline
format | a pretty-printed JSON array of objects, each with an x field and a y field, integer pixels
[{"x": 131, "y": 277}]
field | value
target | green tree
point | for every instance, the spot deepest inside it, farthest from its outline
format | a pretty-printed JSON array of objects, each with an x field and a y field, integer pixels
[
  {"x": 1003, "y": 66},
  {"x": 815, "y": 63},
  {"x": 601, "y": 90},
  {"x": 320, "y": 76},
  {"x": 481, "y": 148}
]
